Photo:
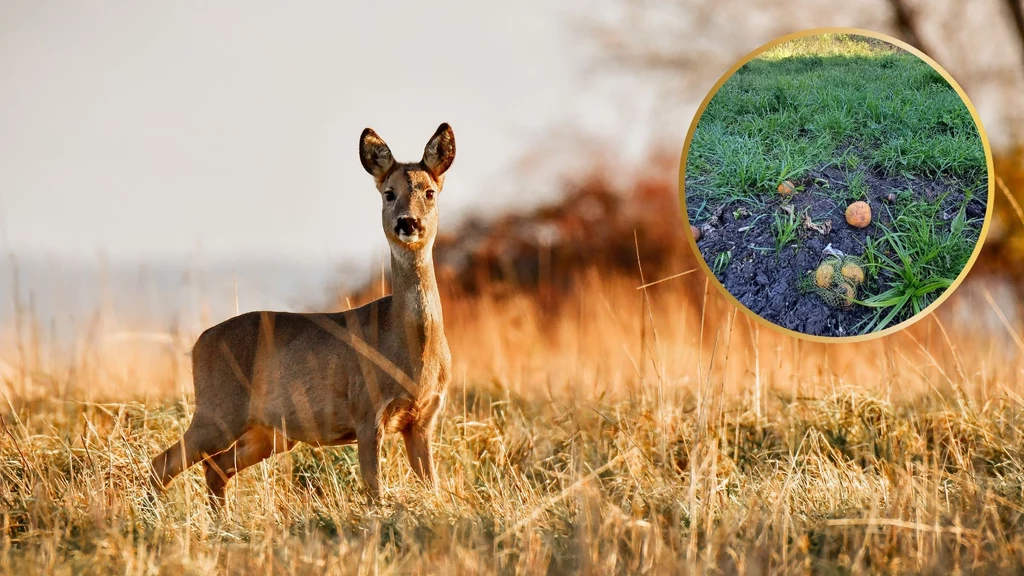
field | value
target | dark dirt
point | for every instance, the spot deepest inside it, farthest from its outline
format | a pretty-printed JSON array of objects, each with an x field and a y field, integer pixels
[{"x": 769, "y": 284}]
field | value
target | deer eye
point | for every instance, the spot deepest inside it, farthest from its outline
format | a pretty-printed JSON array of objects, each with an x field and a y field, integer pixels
[
  {"x": 429, "y": 194},
  {"x": 389, "y": 195}
]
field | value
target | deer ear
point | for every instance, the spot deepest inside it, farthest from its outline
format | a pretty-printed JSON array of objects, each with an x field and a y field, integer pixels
[
  {"x": 375, "y": 155},
  {"x": 440, "y": 151}
]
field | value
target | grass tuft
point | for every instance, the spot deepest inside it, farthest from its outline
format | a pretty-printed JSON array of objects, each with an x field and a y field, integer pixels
[{"x": 916, "y": 259}]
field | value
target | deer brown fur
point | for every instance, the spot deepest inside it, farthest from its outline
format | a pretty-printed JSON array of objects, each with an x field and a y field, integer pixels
[{"x": 266, "y": 380}]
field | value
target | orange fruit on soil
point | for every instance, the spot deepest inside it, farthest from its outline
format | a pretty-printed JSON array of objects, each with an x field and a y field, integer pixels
[
  {"x": 786, "y": 188},
  {"x": 858, "y": 214},
  {"x": 696, "y": 232}
]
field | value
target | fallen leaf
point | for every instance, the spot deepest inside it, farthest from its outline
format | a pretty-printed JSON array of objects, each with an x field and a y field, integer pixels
[{"x": 824, "y": 228}]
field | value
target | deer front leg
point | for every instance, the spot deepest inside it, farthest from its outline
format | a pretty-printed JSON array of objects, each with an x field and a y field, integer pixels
[
  {"x": 418, "y": 435},
  {"x": 417, "y": 446},
  {"x": 369, "y": 437}
]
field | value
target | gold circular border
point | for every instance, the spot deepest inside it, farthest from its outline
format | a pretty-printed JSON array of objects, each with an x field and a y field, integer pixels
[{"x": 988, "y": 204}]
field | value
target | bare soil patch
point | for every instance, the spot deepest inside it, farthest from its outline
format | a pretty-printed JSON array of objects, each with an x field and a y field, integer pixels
[{"x": 775, "y": 284}]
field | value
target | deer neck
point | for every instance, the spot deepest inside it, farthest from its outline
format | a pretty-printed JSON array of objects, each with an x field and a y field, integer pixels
[{"x": 415, "y": 298}]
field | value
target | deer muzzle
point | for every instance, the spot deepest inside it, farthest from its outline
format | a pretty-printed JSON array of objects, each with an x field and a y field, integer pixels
[{"x": 408, "y": 228}]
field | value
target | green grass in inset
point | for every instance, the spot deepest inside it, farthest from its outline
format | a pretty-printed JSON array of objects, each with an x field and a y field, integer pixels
[
  {"x": 918, "y": 256},
  {"x": 722, "y": 262},
  {"x": 786, "y": 228},
  {"x": 835, "y": 100},
  {"x": 856, "y": 189}
]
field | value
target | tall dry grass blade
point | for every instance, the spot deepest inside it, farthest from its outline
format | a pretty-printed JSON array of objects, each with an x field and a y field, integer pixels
[
  {"x": 1013, "y": 201},
  {"x": 958, "y": 363},
  {"x": 666, "y": 279},
  {"x": 1002, "y": 318},
  {"x": 725, "y": 362},
  {"x": 19, "y": 342},
  {"x": 897, "y": 523},
  {"x": 659, "y": 367},
  {"x": 17, "y": 446},
  {"x": 757, "y": 371},
  {"x": 700, "y": 344},
  {"x": 962, "y": 397}
]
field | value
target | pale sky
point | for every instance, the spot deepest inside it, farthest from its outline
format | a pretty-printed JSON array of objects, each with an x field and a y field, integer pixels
[{"x": 230, "y": 129}]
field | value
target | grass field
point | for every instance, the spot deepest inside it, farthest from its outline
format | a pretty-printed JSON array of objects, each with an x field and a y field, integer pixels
[
  {"x": 845, "y": 118},
  {"x": 626, "y": 432}
]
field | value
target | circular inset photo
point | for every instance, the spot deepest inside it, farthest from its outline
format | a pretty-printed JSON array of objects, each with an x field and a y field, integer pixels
[{"x": 837, "y": 184}]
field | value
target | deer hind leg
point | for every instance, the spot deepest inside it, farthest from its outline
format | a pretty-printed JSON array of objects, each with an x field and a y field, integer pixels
[
  {"x": 369, "y": 438},
  {"x": 205, "y": 436},
  {"x": 254, "y": 446}
]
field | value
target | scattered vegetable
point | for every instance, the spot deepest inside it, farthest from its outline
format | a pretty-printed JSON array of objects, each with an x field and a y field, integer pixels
[
  {"x": 823, "y": 275},
  {"x": 858, "y": 214},
  {"x": 853, "y": 272}
]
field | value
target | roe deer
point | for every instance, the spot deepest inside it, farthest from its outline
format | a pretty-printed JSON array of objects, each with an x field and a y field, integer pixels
[{"x": 266, "y": 380}]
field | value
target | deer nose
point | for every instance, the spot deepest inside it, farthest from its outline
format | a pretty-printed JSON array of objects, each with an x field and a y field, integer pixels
[{"x": 407, "y": 225}]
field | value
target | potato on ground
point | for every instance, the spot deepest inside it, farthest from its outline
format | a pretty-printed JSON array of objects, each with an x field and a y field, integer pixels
[
  {"x": 823, "y": 275},
  {"x": 853, "y": 273},
  {"x": 848, "y": 292}
]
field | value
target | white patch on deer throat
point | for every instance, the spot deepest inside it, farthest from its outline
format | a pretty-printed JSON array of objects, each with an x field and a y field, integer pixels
[{"x": 409, "y": 238}]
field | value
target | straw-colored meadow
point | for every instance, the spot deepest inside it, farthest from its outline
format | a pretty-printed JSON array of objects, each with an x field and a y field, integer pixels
[{"x": 604, "y": 428}]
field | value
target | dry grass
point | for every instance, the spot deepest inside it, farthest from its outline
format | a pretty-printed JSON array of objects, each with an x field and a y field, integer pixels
[{"x": 622, "y": 431}]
